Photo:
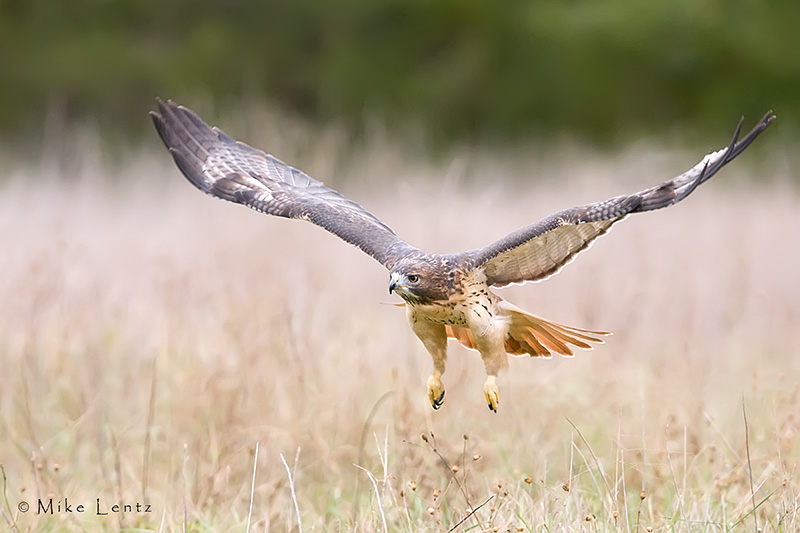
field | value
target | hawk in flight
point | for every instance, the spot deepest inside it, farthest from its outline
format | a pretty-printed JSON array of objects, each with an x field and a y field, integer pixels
[{"x": 446, "y": 296}]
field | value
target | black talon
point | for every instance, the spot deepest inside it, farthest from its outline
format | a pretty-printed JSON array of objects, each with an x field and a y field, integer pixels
[{"x": 437, "y": 403}]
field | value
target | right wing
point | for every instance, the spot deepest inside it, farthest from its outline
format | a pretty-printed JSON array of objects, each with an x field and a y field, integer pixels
[{"x": 222, "y": 167}]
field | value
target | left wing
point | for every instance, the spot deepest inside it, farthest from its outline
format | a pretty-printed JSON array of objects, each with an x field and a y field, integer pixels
[{"x": 540, "y": 250}]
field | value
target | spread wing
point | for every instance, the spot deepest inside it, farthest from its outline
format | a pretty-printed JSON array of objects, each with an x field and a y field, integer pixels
[
  {"x": 540, "y": 250},
  {"x": 222, "y": 167}
]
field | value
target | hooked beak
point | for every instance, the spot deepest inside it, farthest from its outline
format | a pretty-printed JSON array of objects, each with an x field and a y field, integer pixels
[{"x": 393, "y": 281}]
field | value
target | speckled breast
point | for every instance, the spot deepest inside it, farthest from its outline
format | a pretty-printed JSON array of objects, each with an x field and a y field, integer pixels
[{"x": 461, "y": 310}]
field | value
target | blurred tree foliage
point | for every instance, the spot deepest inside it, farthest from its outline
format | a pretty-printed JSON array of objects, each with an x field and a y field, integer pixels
[{"x": 463, "y": 69}]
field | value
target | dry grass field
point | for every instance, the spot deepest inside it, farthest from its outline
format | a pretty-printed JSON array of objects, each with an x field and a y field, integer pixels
[{"x": 225, "y": 371}]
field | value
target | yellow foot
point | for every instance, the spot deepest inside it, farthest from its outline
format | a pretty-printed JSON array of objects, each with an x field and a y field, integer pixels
[
  {"x": 435, "y": 391},
  {"x": 492, "y": 393}
]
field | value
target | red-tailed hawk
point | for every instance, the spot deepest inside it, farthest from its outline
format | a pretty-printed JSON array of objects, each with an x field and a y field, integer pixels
[{"x": 445, "y": 295}]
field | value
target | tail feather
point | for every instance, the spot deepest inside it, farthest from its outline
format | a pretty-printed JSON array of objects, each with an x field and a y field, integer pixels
[
  {"x": 549, "y": 340},
  {"x": 584, "y": 333},
  {"x": 462, "y": 335},
  {"x": 576, "y": 341},
  {"x": 534, "y": 336},
  {"x": 528, "y": 343},
  {"x": 568, "y": 335}
]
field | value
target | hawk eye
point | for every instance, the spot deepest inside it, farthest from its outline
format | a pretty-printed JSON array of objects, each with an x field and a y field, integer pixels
[{"x": 413, "y": 278}]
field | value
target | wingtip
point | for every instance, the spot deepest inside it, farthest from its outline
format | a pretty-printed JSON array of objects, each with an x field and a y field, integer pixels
[
  {"x": 736, "y": 134},
  {"x": 166, "y": 106},
  {"x": 158, "y": 124},
  {"x": 765, "y": 121},
  {"x": 163, "y": 109},
  {"x": 160, "y": 103}
]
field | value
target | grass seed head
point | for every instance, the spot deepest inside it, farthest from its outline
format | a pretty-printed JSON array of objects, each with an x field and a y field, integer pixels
[{"x": 280, "y": 336}]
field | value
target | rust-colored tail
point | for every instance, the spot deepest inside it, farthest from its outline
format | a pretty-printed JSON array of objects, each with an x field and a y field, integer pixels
[{"x": 534, "y": 336}]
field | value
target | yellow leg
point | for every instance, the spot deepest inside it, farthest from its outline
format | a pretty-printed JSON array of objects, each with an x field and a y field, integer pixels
[
  {"x": 491, "y": 392},
  {"x": 435, "y": 390},
  {"x": 494, "y": 359},
  {"x": 434, "y": 338}
]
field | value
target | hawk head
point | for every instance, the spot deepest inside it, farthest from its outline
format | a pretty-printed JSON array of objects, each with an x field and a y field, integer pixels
[{"x": 424, "y": 279}]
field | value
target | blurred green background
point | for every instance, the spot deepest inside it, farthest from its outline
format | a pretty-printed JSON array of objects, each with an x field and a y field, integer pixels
[{"x": 459, "y": 70}]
